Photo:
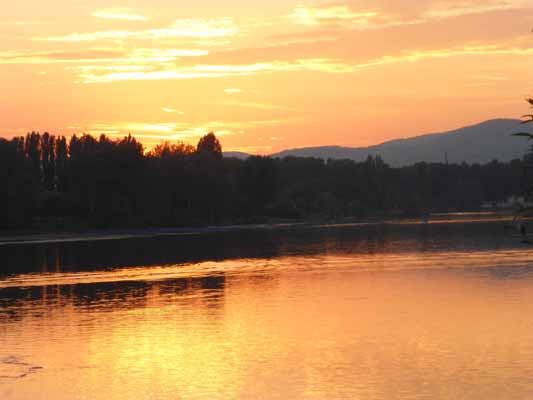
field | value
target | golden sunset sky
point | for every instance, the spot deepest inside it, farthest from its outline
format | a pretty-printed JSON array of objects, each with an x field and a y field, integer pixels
[{"x": 266, "y": 75}]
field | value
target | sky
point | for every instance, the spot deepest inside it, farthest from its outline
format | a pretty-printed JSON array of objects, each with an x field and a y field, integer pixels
[{"x": 263, "y": 75}]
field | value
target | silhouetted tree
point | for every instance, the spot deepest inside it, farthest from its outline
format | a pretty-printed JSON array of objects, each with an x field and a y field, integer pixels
[
  {"x": 258, "y": 182},
  {"x": 48, "y": 154},
  {"x": 106, "y": 182},
  {"x": 62, "y": 173},
  {"x": 33, "y": 153},
  {"x": 209, "y": 145},
  {"x": 19, "y": 188},
  {"x": 170, "y": 150},
  {"x": 209, "y": 180}
]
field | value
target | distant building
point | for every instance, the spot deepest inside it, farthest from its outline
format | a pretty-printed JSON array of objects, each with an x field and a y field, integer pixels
[{"x": 511, "y": 202}]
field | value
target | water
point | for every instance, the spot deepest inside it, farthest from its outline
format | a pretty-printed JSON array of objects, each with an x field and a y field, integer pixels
[{"x": 442, "y": 310}]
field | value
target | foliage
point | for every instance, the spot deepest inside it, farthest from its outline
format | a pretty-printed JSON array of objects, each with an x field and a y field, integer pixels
[
  {"x": 210, "y": 146},
  {"x": 100, "y": 182},
  {"x": 528, "y": 158},
  {"x": 526, "y": 119}
]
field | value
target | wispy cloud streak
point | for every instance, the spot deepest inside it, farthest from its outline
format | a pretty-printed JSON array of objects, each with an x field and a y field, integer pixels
[
  {"x": 126, "y": 14},
  {"x": 218, "y": 71},
  {"x": 183, "y": 28},
  {"x": 320, "y": 65}
]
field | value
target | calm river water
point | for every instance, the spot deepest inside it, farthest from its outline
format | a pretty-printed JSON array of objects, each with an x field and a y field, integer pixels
[{"x": 439, "y": 310}]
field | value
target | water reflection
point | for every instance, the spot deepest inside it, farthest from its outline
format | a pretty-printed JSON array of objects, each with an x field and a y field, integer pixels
[
  {"x": 345, "y": 239},
  {"x": 15, "y": 302},
  {"x": 377, "y": 312}
]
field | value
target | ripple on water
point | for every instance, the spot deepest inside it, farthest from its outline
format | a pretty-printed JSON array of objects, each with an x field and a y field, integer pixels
[{"x": 12, "y": 367}]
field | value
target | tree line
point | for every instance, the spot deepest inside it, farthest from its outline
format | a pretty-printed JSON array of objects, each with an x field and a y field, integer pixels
[{"x": 86, "y": 182}]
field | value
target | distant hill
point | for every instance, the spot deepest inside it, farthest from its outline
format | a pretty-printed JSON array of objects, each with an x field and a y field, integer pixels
[
  {"x": 236, "y": 154},
  {"x": 479, "y": 143}
]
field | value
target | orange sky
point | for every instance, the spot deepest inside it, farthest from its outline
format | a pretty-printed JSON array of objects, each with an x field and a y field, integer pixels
[{"x": 264, "y": 76}]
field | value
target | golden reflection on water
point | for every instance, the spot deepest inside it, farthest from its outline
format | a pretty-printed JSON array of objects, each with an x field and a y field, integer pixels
[
  {"x": 317, "y": 263},
  {"x": 436, "y": 325}
]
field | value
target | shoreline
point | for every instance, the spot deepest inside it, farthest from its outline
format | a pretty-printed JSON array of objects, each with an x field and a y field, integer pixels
[
  {"x": 15, "y": 239},
  {"x": 124, "y": 234}
]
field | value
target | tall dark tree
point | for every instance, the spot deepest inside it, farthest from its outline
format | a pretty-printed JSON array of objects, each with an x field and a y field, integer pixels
[
  {"x": 48, "y": 155},
  {"x": 209, "y": 179},
  {"x": 209, "y": 145},
  {"x": 61, "y": 164},
  {"x": 528, "y": 158},
  {"x": 19, "y": 188},
  {"x": 258, "y": 181},
  {"x": 33, "y": 153}
]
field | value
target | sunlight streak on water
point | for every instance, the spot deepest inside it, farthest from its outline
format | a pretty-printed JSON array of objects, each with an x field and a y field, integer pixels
[{"x": 354, "y": 263}]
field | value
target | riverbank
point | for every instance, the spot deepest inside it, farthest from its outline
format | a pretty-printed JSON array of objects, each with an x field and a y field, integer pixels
[
  {"x": 7, "y": 238},
  {"x": 122, "y": 234}
]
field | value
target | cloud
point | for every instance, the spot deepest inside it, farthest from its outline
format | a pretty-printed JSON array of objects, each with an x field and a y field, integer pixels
[
  {"x": 307, "y": 37},
  {"x": 54, "y": 57},
  {"x": 257, "y": 106},
  {"x": 165, "y": 55},
  {"x": 219, "y": 70},
  {"x": 467, "y": 50},
  {"x": 309, "y": 64},
  {"x": 448, "y": 9},
  {"x": 141, "y": 56},
  {"x": 182, "y": 28},
  {"x": 304, "y": 15},
  {"x": 88, "y": 37},
  {"x": 145, "y": 130},
  {"x": 267, "y": 122},
  {"x": 149, "y": 76},
  {"x": 232, "y": 90},
  {"x": 343, "y": 16},
  {"x": 490, "y": 78},
  {"x": 91, "y": 74},
  {"x": 103, "y": 66},
  {"x": 182, "y": 131},
  {"x": 119, "y": 13},
  {"x": 204, "y": 28},
  {"x": 128, "y": 127},
  {"x": 26, "y": 23},
  {"x": 382, "y": 14},
  {"x": 172, "y": 110}
]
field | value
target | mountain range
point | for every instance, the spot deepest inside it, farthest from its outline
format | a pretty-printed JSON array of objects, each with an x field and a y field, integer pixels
[{"x": 480, "y": 143}]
